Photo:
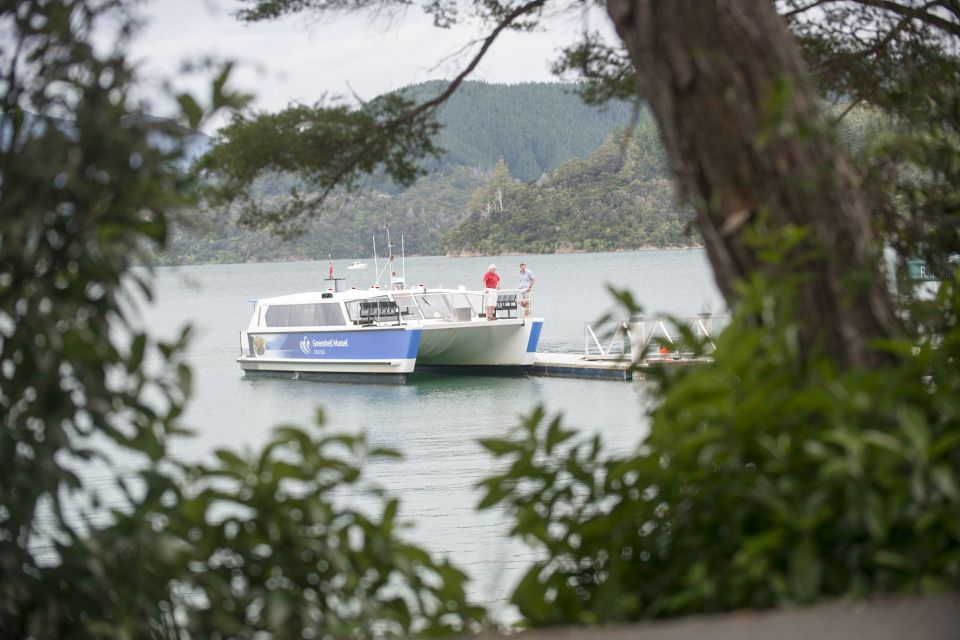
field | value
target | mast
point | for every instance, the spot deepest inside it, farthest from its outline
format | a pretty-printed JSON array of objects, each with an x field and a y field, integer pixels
[
  {"x": 376, "y": 267},
  {"x": 388, "y": 265}
]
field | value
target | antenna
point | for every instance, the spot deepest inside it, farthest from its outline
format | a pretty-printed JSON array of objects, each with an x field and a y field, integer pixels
[
  {"x": 389, "y": 263},
  {"x": 376, "y": 268},
  {"x": 403, "y": 258}
]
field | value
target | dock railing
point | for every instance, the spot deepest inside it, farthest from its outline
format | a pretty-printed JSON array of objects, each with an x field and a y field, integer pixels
[
  {"x": 616, "y": 345},
  {"x": 636, "y": 337}
]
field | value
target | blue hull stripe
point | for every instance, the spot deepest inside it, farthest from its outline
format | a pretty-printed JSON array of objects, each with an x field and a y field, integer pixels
[
  {"x": 366, "y": 344},
  {"x": 534, "y": 337}
]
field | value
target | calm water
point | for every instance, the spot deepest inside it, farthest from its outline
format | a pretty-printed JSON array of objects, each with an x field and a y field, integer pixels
[{"x": 434, "y": 421}]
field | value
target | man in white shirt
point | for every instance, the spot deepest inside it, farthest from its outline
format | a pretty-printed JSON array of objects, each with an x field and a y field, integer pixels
[{"x": 527, "y": 280}]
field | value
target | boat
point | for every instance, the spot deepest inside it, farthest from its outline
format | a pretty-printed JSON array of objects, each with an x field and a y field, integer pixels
[
  {"x": 356, "y": 264},
  {"x": 384, "y": 335}
]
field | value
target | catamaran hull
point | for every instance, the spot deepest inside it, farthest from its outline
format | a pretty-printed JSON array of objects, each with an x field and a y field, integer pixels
[
  {"x": 501, "y": 343},
  {"x": 389, "y": 355}
]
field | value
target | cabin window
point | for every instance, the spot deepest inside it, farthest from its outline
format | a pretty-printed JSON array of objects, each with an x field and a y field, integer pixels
[
  {"x": 371, "y": 310},
  {"x": 433, "y": 305},
  {"x": 305, "y": 315},
  {"x": 407, "y": 304},
  {"x": 329, "y": 314},
  {"x": 472, "y": 304}
]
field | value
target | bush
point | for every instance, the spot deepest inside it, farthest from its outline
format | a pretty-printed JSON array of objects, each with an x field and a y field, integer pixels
[
  {"x": 247, "y": 544},
  {"x": 764, "y": 482}
]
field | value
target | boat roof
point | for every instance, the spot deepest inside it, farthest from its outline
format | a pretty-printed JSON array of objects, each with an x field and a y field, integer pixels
[{"x": 312, "y": 297}]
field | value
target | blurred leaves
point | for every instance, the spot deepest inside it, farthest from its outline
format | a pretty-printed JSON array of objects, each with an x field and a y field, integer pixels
[
  {"x": 900, "y": 59},
  {"x": 245, "y": 542},
  {"x": 273, "y": 549},
  {"x": 763, "y": 483}
]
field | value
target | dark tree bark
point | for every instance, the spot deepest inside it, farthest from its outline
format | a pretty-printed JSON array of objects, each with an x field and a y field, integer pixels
[{"x": 745, "y": 135}]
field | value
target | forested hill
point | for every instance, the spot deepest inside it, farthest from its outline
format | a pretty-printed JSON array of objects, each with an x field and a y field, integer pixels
[
  {"x": 614, "y": 199},
  {"x": 603, "y": 200},
  {"x": 531, "y": 128},
  {"x": 619, "y": 197},
  {"x": 534, "y": 127}
]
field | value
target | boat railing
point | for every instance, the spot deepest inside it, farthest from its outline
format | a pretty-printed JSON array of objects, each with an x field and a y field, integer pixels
[
  {"x": 410, "y": 306},
  {"x": 525, "y": 297},
  {"x": 461, "y": 305},
  {"x": 455, "y": 305}
]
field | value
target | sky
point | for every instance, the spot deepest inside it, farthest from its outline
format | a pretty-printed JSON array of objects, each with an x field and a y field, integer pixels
[{"x": 301, "y": 59}]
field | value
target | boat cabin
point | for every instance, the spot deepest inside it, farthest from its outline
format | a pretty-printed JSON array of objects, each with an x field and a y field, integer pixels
[{"x": 374, "y": 308}]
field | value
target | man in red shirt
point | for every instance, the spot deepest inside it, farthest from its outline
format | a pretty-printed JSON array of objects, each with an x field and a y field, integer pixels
[{"x": 491, "y": 282}]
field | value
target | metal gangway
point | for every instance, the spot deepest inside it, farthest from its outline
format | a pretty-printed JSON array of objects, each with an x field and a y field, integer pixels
[{"x": 643, "y": 339}]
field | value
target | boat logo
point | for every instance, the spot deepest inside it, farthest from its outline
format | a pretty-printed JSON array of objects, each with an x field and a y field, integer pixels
[
  {"x": 305, "y": 345},
  {"x": 259, "y": 345}
]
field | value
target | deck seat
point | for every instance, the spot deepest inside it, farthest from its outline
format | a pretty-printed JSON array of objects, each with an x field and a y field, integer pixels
[
  {"x": 506, "y": 305},
  {"x": 378, "y": 311}
]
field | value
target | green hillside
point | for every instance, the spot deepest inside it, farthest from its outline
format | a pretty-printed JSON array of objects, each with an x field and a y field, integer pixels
[
  {"x": 612, "y": 200},
  {"x": 591, "y": 200},
  {"x": 616, "y": 199},
  {"x": 534, "y": 126},
  {"x": 342, "y": 228},
  {"x": 528, "y": 169}
]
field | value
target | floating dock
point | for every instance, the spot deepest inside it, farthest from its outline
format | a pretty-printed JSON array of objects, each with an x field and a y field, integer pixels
[
  {"x": 654, "y": 341},
  {"x": 577, "y": 365}
]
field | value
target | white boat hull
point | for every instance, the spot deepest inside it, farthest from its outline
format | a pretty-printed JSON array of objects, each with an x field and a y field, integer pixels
[
  {"x": 394, "y": 352},
  {"x": 480, "y": 343}
]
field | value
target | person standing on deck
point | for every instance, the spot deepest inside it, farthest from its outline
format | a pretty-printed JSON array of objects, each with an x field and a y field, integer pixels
[
  {"x": 527, "y": 280},
  {"x": 491, "y": 282}
]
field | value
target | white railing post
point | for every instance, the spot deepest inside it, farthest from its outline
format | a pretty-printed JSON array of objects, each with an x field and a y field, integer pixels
[
  {"x": 588, "y": 332},
  {"x": 638, "y": 339}
]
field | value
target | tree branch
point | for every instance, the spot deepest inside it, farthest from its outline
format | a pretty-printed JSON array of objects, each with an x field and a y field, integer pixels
[
  {"x": 877, "y": 48},
  {"x": 433, "y": 103},
  {"x": 922, "y": 14},
  {"x": 850, "y": 107},
  {"x": 812, "y": 5},
  {"x": 487, "y": 43}
]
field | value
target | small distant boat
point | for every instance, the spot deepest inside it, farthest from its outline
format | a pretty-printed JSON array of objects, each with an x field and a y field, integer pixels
[{"x": 356, "y": 264}]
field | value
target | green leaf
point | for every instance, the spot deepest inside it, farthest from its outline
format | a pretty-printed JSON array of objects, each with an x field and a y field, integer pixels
[
  {"x": 944, "y": 478},
  {"x": 500, "y": 447},
  {"x": 497, "y": 490},
  {"x": 884, "y": 441},
  {"x": 190, "y": 110},
  {"x": 806, "y": 571},
  {"x": 893, "y": 560},
  {"x": 232, "y": 461},
  {"x": 557, "y": 435},
  {"x": 137, "y": 348},
  {"x": 914, "y": 424}
]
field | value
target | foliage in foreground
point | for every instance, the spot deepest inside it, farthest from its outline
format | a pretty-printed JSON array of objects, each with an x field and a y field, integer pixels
[
  {"x": 762, "y": 484},
  {"x": 245, "y": 544}
]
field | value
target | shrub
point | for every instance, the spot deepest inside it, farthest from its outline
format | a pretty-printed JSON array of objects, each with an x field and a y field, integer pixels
[{"x": 764, "y": 482}]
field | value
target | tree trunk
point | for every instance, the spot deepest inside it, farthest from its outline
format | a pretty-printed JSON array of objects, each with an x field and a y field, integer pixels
[{"x": 746, "y": 137}]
